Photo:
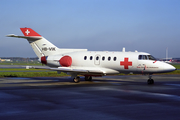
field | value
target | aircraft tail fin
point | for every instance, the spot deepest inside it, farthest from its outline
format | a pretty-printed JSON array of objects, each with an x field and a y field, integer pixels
[{"x": 40, "y": 45}]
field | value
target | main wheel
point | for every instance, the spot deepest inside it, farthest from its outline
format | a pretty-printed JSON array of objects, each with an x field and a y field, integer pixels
[
  {"x": 88, "y": 78},
  {"x": 76, "y": 79},
  {"x": 152, "y": 81}
]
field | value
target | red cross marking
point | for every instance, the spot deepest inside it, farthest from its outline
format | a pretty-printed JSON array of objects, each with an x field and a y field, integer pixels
[{"x": 126, "y": 63}]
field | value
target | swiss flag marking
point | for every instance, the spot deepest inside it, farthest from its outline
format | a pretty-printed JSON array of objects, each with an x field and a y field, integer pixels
[
  {"x": 126, "y": 63},
  {"x": 29, "y": 32}
]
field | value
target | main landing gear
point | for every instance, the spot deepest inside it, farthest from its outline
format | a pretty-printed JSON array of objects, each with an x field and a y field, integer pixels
[
  {"x": 150, "y": 80},
  {"x": 77, "y": 79},
  {"x": 88, "y": 78}
]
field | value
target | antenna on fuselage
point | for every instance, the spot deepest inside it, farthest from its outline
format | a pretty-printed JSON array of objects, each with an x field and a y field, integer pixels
[
  {"x": 166, "y": 53},
  {"x": 123, "y": 50}
]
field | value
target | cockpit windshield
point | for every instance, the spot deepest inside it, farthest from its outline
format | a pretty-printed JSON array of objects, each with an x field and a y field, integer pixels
[
  {"x": 151, "y": 57},
  {"x": 146, "y": 57}
]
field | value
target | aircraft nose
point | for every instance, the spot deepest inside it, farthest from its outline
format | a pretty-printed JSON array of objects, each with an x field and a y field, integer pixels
[{"x": 169, "y": 68}]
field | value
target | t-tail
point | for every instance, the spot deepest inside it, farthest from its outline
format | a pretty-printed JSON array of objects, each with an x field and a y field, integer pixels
[{"x": 40, "y": 45}]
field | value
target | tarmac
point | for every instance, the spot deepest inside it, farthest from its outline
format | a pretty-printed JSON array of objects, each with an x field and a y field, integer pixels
[{"x": 107, "y": 98}]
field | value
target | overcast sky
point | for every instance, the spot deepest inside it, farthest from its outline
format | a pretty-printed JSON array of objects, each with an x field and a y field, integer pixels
[{"x": 98, "y": 25}]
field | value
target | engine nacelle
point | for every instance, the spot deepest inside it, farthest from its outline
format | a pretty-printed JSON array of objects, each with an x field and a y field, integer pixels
[
  {"x": 65, "y": 61},
  {"x": 57, "y": 61}
]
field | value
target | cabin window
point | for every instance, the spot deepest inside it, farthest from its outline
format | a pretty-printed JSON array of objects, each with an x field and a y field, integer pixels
[
  {"x": 115, "y": 58},
  {"x": 97, "y": 58},
  {"x": 109, "y": 58},
  {"x": 85, "y": 57},
  {"x": 91, "y": 57},
  {"x": 103, "y": 58}
]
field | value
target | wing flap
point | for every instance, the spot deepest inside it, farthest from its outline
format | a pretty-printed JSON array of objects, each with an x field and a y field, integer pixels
[{"x": 66, "y": 69}]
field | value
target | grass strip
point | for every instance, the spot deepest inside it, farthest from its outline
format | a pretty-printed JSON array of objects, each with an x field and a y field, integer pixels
[
  {"x": 32, "y": 74},
  {"x": 21, "y": 63}
]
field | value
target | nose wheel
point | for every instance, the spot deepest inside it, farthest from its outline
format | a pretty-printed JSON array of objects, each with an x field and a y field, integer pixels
[{"x": 150, "y": 80}]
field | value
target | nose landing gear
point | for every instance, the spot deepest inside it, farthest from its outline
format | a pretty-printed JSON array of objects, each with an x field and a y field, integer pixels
[{"x": 150, "y": 80}]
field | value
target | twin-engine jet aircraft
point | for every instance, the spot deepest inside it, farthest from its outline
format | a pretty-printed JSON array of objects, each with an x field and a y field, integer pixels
[{"x": 77, "y": 62}]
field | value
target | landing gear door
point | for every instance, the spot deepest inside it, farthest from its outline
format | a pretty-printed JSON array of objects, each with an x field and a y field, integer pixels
[{"x": 97, "y": 60}]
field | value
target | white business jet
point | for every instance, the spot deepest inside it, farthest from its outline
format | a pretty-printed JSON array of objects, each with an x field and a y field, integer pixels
[{"x": 77, "y": 62}]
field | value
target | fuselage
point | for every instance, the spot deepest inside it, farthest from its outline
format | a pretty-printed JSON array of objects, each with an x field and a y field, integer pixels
[{"x": 111, "y": 62}]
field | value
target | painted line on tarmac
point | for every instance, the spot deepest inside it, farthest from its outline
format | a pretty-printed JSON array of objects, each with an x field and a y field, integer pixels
[
  {"x": 177, "y": 85},
  {"x": 167, "y": 96},
  {"x": 112, "y": 79}
]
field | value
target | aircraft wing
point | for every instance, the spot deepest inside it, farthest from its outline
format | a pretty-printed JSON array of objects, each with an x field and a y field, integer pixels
[
  {"x": 81, "y": 70},
  {"x": 65, "y": 69},
  {"x": 69, "y": 69}
]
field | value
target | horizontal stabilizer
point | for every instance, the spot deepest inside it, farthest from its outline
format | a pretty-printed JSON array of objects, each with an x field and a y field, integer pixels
[{"x": 26, "y": 37}]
